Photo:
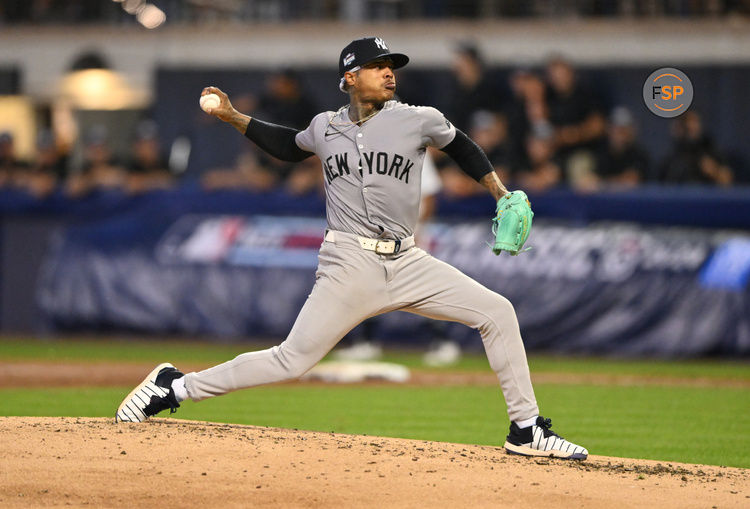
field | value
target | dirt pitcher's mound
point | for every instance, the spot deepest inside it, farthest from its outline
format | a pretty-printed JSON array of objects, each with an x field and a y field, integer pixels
[{"x": 173, "y": 463}]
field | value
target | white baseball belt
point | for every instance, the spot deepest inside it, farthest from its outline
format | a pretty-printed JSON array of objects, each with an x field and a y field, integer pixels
[{"x": 380, "y": 246}]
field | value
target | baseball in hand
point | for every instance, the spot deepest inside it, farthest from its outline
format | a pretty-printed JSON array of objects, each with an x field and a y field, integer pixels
[{"x": 209, "y": 102}]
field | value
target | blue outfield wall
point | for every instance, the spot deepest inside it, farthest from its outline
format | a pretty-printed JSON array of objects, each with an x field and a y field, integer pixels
[{"x": 233, "y": 264}]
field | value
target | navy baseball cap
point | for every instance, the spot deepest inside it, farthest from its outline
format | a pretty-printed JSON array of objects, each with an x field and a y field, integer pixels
[{"x": 362, "y": 51}]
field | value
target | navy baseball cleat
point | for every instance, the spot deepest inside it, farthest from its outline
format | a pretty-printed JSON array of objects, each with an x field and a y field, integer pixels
[
  {"x": 152, "y": 396},
  {"x": 539, "y": 440}
]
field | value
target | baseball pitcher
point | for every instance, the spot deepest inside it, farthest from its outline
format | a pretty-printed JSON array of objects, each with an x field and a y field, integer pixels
[{"x": 372, "y": 151}]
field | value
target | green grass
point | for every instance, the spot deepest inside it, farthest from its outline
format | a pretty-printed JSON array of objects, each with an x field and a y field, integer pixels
[
  {"x": 123, "y": 349},
  {"x": 176, "y": 351},
  {"x": 664, "y": 423},
  {"x": 687, "y": 424}
]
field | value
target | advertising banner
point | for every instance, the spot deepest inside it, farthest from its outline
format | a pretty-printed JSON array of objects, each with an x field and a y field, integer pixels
[{"x": 604, "y": 288}]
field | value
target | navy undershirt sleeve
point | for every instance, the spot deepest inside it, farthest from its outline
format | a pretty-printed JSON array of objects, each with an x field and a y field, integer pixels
[
  {"x": 469, "y": 156},
  {"x": 277, "y": 140}
]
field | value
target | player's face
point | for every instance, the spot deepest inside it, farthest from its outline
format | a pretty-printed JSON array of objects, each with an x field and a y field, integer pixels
[{"x": 376, "y": 81}]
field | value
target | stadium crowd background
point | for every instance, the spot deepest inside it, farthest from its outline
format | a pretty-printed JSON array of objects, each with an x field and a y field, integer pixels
[
  {"x": 542, "y": 127},
  {"x": 550, "y": 132}
]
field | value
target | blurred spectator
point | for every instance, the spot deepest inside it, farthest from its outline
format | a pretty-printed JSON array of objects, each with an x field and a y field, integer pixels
[
  {"x": 472, "y": 91},
  {"x": 99, "y": 170},
  {"x": 247, "y": 173},
  {"x": 285, "y": 101},
  {"x": 280, "y": 169},
  {"x": 490, "y": 131},
  {"x": 210, "y": 146},
  {"x": 621, "y": 162},
  {"x": 579, "y": 123},
  {"x": 541, "y": 170},
  {"x": 694, "y": 158},
  {"x": 456, "y": 184},
  {"x": 306, "y": 177},
  {"x": 148, "y": 168},
  {"x": 527, "y": 107},
  {"x": 11, "y": 169},
  {"x": 49, "y": 167}
]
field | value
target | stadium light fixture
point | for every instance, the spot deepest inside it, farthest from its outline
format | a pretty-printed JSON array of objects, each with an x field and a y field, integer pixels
[
  {"x": 150, "y": 16},
  {"x": 92, "y": 85}
]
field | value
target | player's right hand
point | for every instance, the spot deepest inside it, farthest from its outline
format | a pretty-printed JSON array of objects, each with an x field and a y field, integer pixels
[{"x": 225, "y": 109}]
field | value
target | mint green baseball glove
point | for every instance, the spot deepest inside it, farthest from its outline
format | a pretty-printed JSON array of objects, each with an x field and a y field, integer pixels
[{"x": 512, "y": 223}]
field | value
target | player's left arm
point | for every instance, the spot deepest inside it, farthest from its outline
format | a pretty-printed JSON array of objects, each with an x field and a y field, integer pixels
[{"x": 513, "y": 215}]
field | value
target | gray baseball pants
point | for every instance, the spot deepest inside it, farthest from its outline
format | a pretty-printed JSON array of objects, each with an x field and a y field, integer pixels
[{"x": 353, "y": 284}]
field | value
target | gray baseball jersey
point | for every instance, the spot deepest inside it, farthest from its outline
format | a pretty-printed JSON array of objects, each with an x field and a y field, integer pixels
[
  {"x": 372, "y": 178},
  {"x": 373, "y": 171}
]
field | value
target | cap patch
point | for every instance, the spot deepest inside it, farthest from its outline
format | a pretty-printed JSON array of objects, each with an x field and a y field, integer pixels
[{"x": 348, "y": 59}]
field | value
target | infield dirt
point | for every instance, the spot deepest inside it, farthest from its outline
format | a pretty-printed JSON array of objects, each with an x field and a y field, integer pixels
[{"x": 49, "y": 462}]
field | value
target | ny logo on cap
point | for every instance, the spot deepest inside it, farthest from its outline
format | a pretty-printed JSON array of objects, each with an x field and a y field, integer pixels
[
  {"x": 348, "y": 59},
  {"x": 380, "y": 43}
]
